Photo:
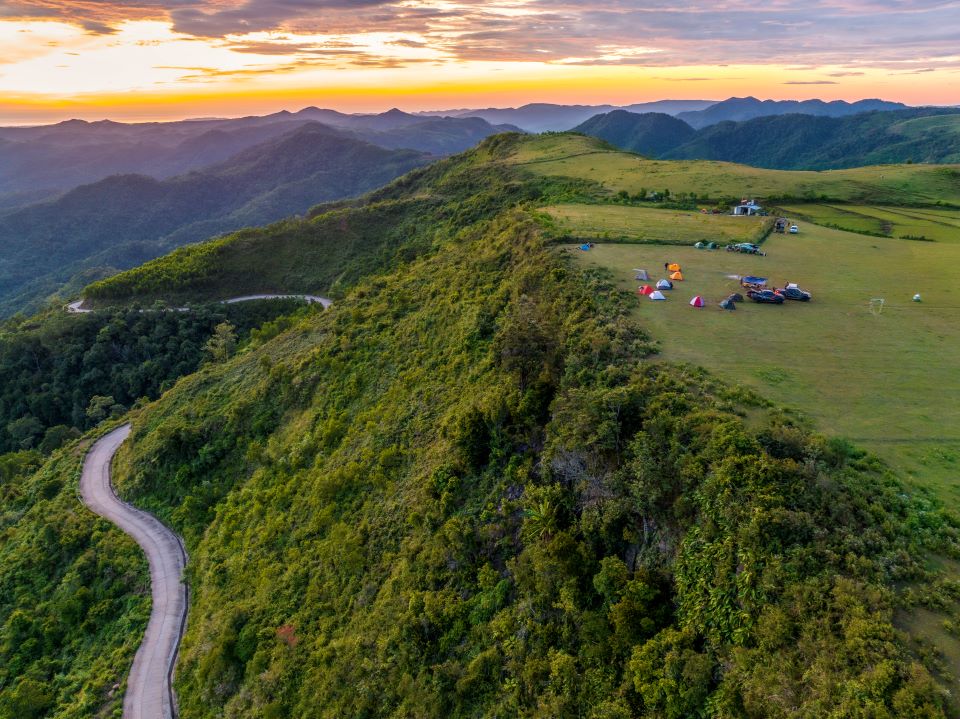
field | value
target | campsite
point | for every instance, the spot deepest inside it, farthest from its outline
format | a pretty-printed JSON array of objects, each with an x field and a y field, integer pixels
[{"x": 878, "y": 379}]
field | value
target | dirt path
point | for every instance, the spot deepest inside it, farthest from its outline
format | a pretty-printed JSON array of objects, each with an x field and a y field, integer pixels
[
  {"x": 149, "y": 687},
  {"x": 77, "y": 307}
]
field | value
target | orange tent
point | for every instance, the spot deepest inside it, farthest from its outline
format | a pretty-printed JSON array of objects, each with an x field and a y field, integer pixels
[
  {"x": 673, "y": 267},
  {"x": 676, "y": 276}
]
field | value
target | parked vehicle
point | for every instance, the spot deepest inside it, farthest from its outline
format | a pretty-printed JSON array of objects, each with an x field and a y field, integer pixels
[
  {"x": 747, "y": 248},
  {"x": 795, "y": 293},
  {"x": 794, "y": 229},
  {"x": 765, "y": 297}
]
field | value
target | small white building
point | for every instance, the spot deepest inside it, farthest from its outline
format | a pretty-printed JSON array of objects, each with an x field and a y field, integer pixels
[{"x": 747, "y": 208}]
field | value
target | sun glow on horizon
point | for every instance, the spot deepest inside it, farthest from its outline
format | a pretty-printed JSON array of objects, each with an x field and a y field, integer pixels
[{"x": 145, "y": 69}]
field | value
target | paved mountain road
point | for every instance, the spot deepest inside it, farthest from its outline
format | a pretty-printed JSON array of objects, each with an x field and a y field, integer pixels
[
  {"x": 77, "y": 307},
  {"x": 149, "y": 686}
]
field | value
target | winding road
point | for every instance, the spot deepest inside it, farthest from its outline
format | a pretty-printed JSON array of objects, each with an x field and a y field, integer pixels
[
  {"x": 77, "y": 307},
  {"x": 149, "y": 687}
]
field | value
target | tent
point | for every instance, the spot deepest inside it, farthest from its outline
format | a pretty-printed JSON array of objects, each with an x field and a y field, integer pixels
[
  {"x": 700, "y": 245},
  {"x": 657, "y": 295},
  {"x": 645, "y": 290},
  {"x": 696, "y": 301},
  {"x": 585, "y": 247},
  {"x": 664, "y": 285},
  {"x": 673, "y": 267},
  {"x": 728, "y": 304},
  {"x": 676, "y": 276},
  {"x": 711, "y": 245},
  {"x": 641, "y": 275}
]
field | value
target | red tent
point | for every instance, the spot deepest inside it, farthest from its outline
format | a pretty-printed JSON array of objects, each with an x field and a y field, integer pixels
[
  {"x": 696, "y": 301},
  {"x": 644, "y": 290}
]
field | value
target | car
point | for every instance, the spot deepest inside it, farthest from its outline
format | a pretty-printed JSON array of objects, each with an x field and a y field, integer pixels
[
  {"x": 794, "y": 229},
  {"x": 765, "y": 297},
  {"x": 745, "y": 247},
  {"x": 795, "y": 293}
]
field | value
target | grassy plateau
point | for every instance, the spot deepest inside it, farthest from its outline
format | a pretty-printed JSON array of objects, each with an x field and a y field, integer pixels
[
  {"x": 643, "y": 224},
  {"x": 876, "y": 379}
]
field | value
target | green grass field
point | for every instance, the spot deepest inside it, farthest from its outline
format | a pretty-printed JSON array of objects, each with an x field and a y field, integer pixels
[
  {"x": 940, "y": 225},
  {"x": 589, "y": 159},
  {"x": 886, "y": 382},
  {"x": 645, "y": 224}
]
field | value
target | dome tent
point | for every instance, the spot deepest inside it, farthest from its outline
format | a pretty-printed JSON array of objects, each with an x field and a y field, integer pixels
[
  {"x": 664, "y": 285},
  {"x": 673, "y": 267},
  {"x": 657, "y": 295},
  {"x": 696, "y": 301},
  {"x": 645, "y": 290},
  {"x": 676, "y": 276}
]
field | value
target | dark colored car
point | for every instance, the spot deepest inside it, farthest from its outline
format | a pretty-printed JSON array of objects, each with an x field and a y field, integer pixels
[
  {"x": 795, "y": 293},
  {"x": 768, "y": 297},
  {"x": 748, "y": 248}
]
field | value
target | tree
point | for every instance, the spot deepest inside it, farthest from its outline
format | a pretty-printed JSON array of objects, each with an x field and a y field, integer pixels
[
  {"x": 222, "y": 342},
  {"x": 99, "y": 408},
  {"x": 24, "y": 431}
]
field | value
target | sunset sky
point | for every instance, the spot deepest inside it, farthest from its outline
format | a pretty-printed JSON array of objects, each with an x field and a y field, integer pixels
[{"x": 165, "y": 59}]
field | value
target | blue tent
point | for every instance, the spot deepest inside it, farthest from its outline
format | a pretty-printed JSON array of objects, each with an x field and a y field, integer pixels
[{"x": 584, "y": 247}]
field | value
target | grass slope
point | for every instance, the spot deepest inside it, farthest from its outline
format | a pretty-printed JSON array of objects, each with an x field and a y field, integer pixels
[
  {"x": 658, "y": 226},
  {"x": 938, "y": 225},
  {"x": 589, "y": 159}
]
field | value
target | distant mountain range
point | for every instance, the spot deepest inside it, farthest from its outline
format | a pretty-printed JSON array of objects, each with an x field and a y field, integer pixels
[
  {"x": 791, "y": 142},
  {"x": 546, "y": 117},
  {"x": 739, "y": 109},
  {"x": 124, "y": 220},
  {"x": 38, "y": 162}
]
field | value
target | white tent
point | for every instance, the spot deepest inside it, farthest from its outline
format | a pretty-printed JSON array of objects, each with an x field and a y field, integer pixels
[
  {"x": 641, "y": 275},
  {"x": 657, "y": 295},
  {"x": 696, "y": 301}
]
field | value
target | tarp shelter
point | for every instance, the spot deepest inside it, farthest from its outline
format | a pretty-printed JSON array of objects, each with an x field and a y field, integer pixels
[
  {"x": 584, "y": 247},
  {"x": 676, "y": 276},
  {"x": 673, "y": 267},
  {"x": 664, "y": 285},
  {"x": 641, "y": 275},
  {"x": 696, "y": 301},
  {"x": 645, "y": 290},
  {"x": 657, "y": 295},
  {"x": 728, "y": 304}
]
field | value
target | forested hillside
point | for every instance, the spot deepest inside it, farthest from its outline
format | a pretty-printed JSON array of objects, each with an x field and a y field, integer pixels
[
  {"x": 465, "y": 490},
  {"x": 125, "y": 220},
  {"x": 791, "y": 141}
]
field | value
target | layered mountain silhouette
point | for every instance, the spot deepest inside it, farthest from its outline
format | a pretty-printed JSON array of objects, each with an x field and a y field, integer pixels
[
  {"x": 791, "y": 142},
  {"x": 123, "y": 220}
]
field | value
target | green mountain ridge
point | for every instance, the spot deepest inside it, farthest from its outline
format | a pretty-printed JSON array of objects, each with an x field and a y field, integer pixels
[
  {"x": 125, "y": 220},
  {"x": 793, "y": 141},
  {"x": 466, "y": 490}
]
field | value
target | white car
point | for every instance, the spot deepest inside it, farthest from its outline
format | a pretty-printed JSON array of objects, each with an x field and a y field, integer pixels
[{"x": 794, "y": 229}]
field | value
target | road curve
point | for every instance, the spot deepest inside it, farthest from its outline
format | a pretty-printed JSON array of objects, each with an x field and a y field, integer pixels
[
  {"x": 149, "y": 686},
  {"x": 76, "y": 307}
]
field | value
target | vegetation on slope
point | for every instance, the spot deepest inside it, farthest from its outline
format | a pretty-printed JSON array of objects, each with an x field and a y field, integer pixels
[
  {"x": 125, "y": 220},
  {"x": 463, "y": 491},
  {"x": 790, "y": 141},
  {"x": 650, "y": 134},
  {"x": 61, "y": 374},
  {"x": 74, "y": 595}
]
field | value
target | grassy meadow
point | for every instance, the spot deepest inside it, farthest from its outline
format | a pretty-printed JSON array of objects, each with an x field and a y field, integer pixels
[
  {"x": 589, "y": 159},
  {"x": 939, "y": 225},
  {"x": 643, "y": 224},
  {"x": 883, "y": 381}
]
